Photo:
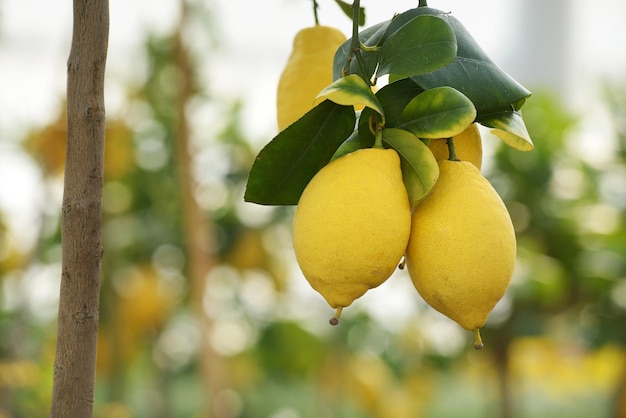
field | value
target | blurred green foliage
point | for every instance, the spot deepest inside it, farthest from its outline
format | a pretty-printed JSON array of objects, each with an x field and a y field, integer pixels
[{"x": 554, "y": 347}]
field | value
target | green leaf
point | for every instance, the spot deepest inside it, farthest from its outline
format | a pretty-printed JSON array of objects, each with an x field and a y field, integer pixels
[
  {"x": 286, "y": 164},
  {"x": 472, "y": 72},
  {"x": 349, "y": 145},
  {"x": 393, "y": 97},
  {"x": 422, "y": 45},
  {"x": 510, "y": 128},
  {"x": 420, "y": 170},
  {"x": 442, "y": 112},
  {"x": 348, "y": 10},
  {"x": 352, "y": 90}
]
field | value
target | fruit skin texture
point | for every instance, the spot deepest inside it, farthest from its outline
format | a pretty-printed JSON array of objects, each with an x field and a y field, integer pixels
[
  {"x": 352, "y": 225},
  {"x": 309, "y": 69},
  {"x": 467, "y": 145},
  {"x": 461, "y": 253}
]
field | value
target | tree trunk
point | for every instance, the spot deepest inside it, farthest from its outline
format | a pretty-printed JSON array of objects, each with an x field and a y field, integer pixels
[
  {"x": 75, "y": 361},
  {"x": 197, "y": 229}
]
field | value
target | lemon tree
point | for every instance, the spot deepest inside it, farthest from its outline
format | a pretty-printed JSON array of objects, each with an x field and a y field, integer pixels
[
  {"x": 441, "y": 82},
  {"x": 441, "y": 86}
]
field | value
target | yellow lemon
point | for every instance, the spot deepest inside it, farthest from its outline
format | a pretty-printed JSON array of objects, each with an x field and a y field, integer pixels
[
  {"x": 352, "y": 225},
  {"x": 461, "y": 252},
  {"x": 467, "y": 145},
  {"x": 309, "y": 69}
]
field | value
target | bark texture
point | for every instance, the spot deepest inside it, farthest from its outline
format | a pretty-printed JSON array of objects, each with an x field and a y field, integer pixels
[{"x": 77, "y": 334}]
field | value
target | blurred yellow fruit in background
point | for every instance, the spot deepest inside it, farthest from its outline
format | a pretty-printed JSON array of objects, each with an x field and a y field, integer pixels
[
  {"x": 309, "y": 69},
  {"x": 49, "y": 144}
]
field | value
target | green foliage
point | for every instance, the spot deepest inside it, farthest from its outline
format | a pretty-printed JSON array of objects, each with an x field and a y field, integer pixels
[
  {"x": 348, "y": 9},
  {"x": 509, "y": 126},
  {"x": 440, "y": 81},
  {"x": 571, "y": 270},
  {"x": 419, "y": 167},
  {"x": 441, "y": 112},
  {"x": 422, "y": 45},
  {"x": 472, "y": 72},
  {"x": 288, "y": 351},
  {"x": 352, "y": 90},
  {"x": 393, "y": 97},
  {"x": 351, "y": 144},
  {"x": 285, "y": 166}
]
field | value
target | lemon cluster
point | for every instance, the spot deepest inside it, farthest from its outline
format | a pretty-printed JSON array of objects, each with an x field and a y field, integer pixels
[{"x": 354, "y": 221}]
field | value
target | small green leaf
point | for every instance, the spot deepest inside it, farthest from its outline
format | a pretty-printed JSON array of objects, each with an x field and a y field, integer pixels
[
  {"x": 424, "y": 44},
  {"x": 351, "y": 90},
  {"x": 287, "y": 163},
  {"x": 348, "y": 10},
  {"x": 441, "y": 112},
  {"x": 419, "y": 167},
  {"x": 349, "y": 145},
  {"x": 510, "y": 128},
  {"x": 393, "y": 97}
]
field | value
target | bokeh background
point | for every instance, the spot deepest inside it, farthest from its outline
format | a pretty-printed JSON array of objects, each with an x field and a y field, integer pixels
[{"x": 204, "y": 312}]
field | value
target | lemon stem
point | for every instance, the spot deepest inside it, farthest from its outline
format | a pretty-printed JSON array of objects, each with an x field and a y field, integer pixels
[
  {"x": 378, "y": 141},
  {"x": 356, "y": 16},
  {"x": 355, "y": 44},
  {"x": 451, "y": 152},
  {"x": 478, "y": 342},
  {"x": 315, "y": 6},
  {"x": 335, "y": 319},
  {"x": 422, "y": 3}
]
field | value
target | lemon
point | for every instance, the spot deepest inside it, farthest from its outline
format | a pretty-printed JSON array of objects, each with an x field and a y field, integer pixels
[
  {"x": 467, "y": 145},
  {"x": 308, "y": 71},
  {"x": 461, "y": 252},
  {"x": 352, "y": 225}
]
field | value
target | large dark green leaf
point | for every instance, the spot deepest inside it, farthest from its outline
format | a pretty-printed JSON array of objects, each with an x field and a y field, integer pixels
[
  {"x": 286, "y": 164},
  {"x": 472, "y": 72},
  {"x": 422, "y": 45}
]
